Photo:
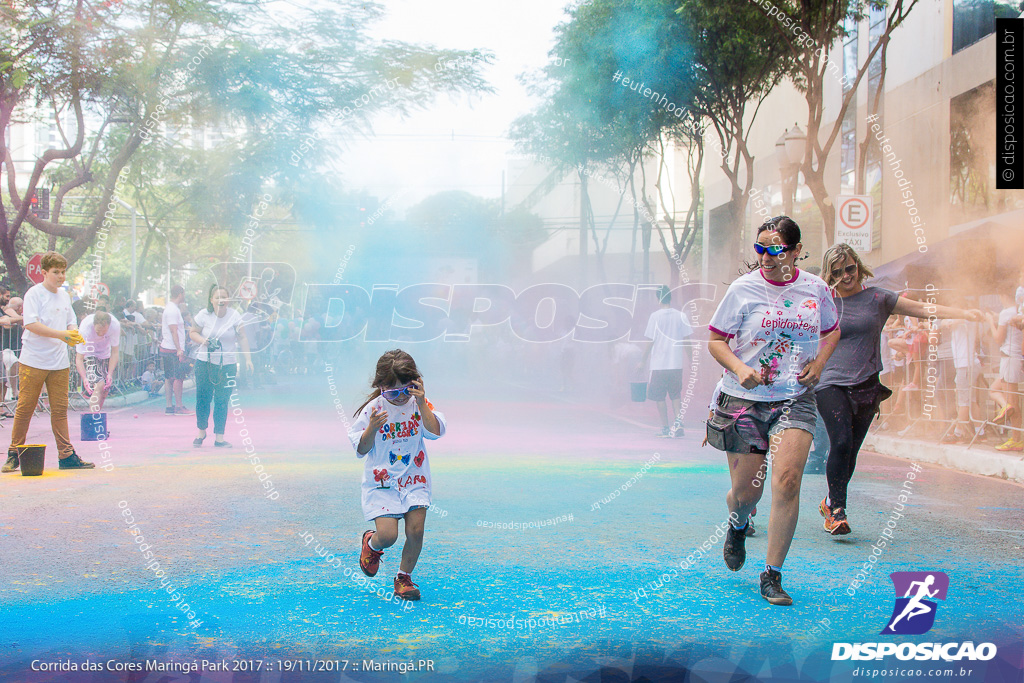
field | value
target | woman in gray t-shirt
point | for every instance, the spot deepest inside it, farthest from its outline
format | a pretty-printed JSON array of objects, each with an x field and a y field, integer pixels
[{"x": 849, "y": 392}]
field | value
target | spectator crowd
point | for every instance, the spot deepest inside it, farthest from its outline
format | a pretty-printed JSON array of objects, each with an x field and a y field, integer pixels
[
  {"x": 961, "y": 374},
  {"x": 135, "y": 362}
]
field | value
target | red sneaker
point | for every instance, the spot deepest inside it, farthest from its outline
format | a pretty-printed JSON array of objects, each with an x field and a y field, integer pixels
[
  {"x": 369, "y": 559},
  {"x": 835, "y": 520},
  {"x": 405, "y": 588}
]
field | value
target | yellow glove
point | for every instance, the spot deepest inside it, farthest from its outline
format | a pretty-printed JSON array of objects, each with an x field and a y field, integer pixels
[{"x": 73, "y": 338}]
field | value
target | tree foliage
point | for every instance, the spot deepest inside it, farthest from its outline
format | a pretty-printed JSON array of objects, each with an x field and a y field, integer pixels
[
  {"x": 457, "y": 223},
  {"x": 738, "y": 61},
  {"x": 589, "y": 119},
  {"x": 821, "y": 24},
  {"x": 143, "y": 79}
]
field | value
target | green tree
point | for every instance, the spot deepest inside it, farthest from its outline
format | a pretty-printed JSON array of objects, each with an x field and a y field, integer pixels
[
  {"x": 738, "y": 62},
  {"x": 456, "y": 222},
  {"x": 808, "y": 29},
  {"x": 139, "y": 74},
  {"x": 590, "y": 123}
]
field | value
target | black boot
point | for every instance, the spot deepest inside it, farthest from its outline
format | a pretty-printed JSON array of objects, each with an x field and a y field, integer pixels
[{"x": 12, "y": 461}]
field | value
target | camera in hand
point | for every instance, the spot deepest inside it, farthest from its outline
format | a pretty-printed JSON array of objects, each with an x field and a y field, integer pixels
[{"x": 213, "y": 345}]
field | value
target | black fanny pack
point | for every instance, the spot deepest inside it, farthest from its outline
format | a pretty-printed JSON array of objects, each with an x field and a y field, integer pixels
[
  {"x": 871, "y": 392},
  {"x": 722, "y": 433}
]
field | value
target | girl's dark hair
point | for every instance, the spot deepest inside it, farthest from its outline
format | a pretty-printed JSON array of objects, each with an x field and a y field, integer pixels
[
  {"x": 209, "y": 296},
  {"x": 788, "y": 231},
  {"x": 787, "y": 228},
  {"x": 394, "y": 367}
]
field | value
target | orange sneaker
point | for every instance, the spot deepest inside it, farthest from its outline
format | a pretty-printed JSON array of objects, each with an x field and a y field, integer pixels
[
  {"x": 405, "y": 588},
  {"x": 369, "y": 559},
  {"x": 835, "y": 520}
]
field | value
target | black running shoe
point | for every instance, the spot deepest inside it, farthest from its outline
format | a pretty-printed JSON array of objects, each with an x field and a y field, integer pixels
[
  {"x": 735, "y": 552},
  {"x": 12, "y": 461},
  {"x": 73, "y": 462},
  {"x": 771, "y": 588}
]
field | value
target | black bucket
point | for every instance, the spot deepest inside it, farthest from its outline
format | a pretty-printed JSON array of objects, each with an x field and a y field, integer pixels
[{"x": 30, "y": 457}]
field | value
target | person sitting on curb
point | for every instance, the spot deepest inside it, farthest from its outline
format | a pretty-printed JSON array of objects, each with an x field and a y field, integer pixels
[{"x": 152, "y": 382}]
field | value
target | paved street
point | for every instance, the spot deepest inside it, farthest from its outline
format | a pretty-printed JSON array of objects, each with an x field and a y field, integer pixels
[{"x": 75, "y": 586}]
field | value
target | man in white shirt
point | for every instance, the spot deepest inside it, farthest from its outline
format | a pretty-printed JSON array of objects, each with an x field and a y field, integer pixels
[
  {"x": 131, "y": 326},
  {"x": 666, "y": 328},
  {"x": 965, "y": 341},
  {"x": 96, "y": 359},
  {"x": 49, "y": 328},
  {"x": 172, "y": 350},
  {"x": 1004, "y": 389}
]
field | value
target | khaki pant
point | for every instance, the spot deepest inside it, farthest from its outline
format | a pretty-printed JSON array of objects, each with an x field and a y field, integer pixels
[{"x": 32, "y": 381}]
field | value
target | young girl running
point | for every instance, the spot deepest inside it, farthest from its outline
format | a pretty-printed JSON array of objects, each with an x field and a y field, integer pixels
[{"x": 389, "y": 431}]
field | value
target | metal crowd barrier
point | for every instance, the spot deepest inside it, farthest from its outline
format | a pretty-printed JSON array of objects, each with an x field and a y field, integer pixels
[
  {"x": 933, "y": 401},
  {"x": 127, "y": 376}
]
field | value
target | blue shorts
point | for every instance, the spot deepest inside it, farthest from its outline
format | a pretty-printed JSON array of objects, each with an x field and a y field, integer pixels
[{"x": 397, "y": 515}]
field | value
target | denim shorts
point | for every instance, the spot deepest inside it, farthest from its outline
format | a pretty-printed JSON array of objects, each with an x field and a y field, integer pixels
[{"x": 740, "y": 426}]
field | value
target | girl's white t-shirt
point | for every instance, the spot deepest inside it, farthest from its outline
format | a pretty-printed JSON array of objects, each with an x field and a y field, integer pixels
[
  {"x": 52, "y": 309},
  {"x": 774, "y": 328},
  {"x": 222, "y": 329},
  {"x": 396, "y": 476}
]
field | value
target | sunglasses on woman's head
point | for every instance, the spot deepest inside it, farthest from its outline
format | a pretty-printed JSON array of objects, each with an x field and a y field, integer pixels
[
  {"x": 391, "y": 394},
  {"x": 772, "y": 249},
  {"x": 849, "y": 270}
]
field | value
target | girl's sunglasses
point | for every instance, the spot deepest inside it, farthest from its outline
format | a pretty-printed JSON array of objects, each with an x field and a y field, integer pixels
[
  {"x": 772, "y": 249},
  {"x": 849, "y": 270},
  {"x": 391, "y": 394}
]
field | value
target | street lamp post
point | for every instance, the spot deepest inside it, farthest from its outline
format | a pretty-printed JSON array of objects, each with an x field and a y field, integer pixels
[
  {"x": 134, "y": 214},
  {"x": 789, "y": 153},
  {"x": 168, "y": 243}
]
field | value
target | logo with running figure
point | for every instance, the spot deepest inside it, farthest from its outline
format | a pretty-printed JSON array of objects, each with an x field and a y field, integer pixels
[{"x": 914, "y": 613}]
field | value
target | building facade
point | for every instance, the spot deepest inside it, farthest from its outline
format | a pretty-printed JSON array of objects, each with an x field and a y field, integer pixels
[{"x": 925, "y": 155}]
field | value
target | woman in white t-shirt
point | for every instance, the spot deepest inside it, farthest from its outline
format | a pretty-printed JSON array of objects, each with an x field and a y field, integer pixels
[
  {"x": 218, "y": 332},
  {"x": 772, "y": 332}
]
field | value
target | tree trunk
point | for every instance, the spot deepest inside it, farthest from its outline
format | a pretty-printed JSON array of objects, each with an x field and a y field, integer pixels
[
  {"x": 816, "y": 183},
  {"x": 18, "y": 281},
  {"x": 584, "y": 222}
]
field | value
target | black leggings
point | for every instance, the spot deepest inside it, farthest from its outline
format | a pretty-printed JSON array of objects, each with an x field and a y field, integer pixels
[{"x": 847, "y": 425}]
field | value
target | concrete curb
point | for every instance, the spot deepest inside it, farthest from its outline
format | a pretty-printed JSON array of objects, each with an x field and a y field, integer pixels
[
  {"x": 140, "y": 396},
  {"x": 978, "y": 460}
]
